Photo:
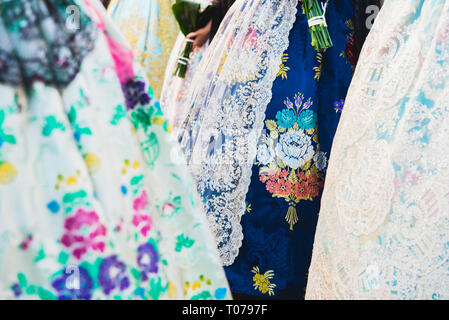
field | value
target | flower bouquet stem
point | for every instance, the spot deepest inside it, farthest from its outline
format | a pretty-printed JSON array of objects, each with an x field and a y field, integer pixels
[
  {"x": 191, "y": 16},
  {"x": 184, "y": 59},
  {"x": 321, "y": 39}
]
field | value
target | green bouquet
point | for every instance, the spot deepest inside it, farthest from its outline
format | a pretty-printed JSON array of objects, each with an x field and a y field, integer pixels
[
  {"x": 321, "y": 39},
  {"x": 191, "y": 16}
]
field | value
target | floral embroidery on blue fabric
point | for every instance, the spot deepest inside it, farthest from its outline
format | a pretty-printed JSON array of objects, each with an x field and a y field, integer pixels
[
  {"x": 262, "y": 281},
  {"x": 291, "y": 163},
  {"x": 338, "y": 105}
]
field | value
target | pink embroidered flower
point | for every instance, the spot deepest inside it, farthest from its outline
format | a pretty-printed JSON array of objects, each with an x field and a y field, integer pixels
[
  {"x": 283, "y": 188},
  {"x": 84, "y": 231},
  {"x": 271, "y": 186},
  {"x": 141, "y": 219},
  {"x": 284, "y": 174}
]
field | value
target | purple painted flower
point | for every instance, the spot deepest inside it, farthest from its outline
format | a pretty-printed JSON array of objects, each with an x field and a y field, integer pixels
[
  {"x": 147, "y": 260},
  {"x": 113, "y": 275},
  {"x": 338, "y": 105},
  {"x": 135, "y": 93},
  {"x": 16, "y": 289},
  {"x": 82, "y": 285}
]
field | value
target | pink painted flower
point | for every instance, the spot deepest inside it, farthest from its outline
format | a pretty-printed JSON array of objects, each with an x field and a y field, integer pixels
[
  {"x": 84, "y": 231},
  {"x": 141, "y": 203},
  {"x": 141, "y": 218}
]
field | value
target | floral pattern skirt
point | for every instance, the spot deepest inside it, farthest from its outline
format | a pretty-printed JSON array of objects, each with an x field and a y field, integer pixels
[{"x": 92, "y": 206}]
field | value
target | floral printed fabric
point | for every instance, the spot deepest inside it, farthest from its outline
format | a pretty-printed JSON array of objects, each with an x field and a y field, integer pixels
[
  {"x": 151, "y": 29},
  {"x": 91, "y": 204},
  {"x": 284, "y": 195}
]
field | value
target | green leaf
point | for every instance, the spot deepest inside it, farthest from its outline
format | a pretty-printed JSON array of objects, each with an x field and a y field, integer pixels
[
  {"x": 136, "y": 274},
  {"x": 40, "y": 255},
  {"x": 86, "y": 131},
  {"x": 31, "y": 290},
  {"x": 136, "y": 180},
  {"x": 271, "y": 125},
  {"x": 9, "y": 138},
  {"x": 22, "y": 280},
  {"x": 72, "y": 115},
  {"x": 63, "y": 258},
  {"x": 204, "y": 295},
  {"x": 45, "y": 294}
]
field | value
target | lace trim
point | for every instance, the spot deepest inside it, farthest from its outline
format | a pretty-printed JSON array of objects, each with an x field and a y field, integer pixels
[{"x": 229, "y": 111}]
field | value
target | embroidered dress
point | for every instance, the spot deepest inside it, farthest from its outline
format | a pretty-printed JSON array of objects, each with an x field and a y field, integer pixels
[
  {"x": 91, "y": 204},
  {"x": 260, "y": 165},
  {"x": 383, "y": 226},
  {"x": 151, "y": 29}
]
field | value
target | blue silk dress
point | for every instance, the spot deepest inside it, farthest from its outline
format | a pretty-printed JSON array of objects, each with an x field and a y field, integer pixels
[{"x": 284, "y": 196}]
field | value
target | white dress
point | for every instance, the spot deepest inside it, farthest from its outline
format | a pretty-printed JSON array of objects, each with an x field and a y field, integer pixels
[{"x": 383, "y": 231}]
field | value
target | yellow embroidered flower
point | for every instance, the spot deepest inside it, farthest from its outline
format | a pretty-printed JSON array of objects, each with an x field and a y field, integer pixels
[
  {"x": 262, "y": 281},
  {"x": 8, "y": 173}
]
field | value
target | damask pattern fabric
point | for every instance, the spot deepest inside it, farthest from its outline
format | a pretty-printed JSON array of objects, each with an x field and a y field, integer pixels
[
  {"x": 283, "y": 199},
  {"x": 91, "y": 204},
  {"x": 383, "y": 226},
  {"x": 151, "y": 29}
]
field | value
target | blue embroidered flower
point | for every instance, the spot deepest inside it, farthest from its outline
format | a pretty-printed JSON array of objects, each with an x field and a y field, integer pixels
[
  {"x": 320, "y": 160},
  {"x": 286, "y": 118},
  {"x": 135, "y": 94},
  {"x": 113, "y": 275},
  {"x": 338, "y": 105},
  {"x": 307, "y": 120},
  {"x": 80, "y": 278}
]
